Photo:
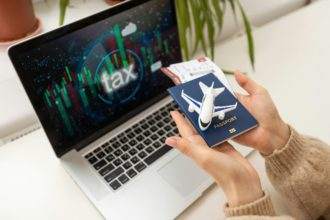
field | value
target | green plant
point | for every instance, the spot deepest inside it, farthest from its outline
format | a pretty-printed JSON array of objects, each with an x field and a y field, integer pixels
[
  {"x": 202, "y": 19},
  {"x": 63, "y": 5}
]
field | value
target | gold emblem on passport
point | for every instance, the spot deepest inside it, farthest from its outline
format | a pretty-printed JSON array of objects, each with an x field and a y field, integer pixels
[{"x": 232, "y": 130}]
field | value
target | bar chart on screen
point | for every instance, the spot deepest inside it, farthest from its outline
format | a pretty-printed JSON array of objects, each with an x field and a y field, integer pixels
[{"x": 111, "y": 70}]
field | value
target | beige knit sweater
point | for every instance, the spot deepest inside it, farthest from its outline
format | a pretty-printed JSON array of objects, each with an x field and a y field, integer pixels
[{"x": 300, "y": 172}]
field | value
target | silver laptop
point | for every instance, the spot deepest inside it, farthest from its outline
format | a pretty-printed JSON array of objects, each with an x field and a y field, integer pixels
[{"x": 101, "y": 98}]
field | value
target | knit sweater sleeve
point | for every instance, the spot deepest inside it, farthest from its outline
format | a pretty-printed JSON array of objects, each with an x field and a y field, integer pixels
[
  {"x": 300, "y": 172},
  {"x": 255, "y": 217},
  {"x": 261, "y": 209}
]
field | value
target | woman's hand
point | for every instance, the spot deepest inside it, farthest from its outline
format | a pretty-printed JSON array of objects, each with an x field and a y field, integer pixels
[
  {"x": 232, "y": 172},
  {"x": 272, "y": 133}
]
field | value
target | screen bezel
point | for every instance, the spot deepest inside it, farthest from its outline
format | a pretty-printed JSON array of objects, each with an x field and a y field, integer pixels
[{"x": 15, "y": 50}]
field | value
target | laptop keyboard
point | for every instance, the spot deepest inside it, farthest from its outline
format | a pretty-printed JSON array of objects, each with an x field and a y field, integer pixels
[{"x": 123, "y": 157}]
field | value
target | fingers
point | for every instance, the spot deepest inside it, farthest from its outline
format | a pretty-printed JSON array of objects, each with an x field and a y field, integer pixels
[
  {"x": 203, "y": 157},
  {"x": 228, "y": 149},
  {"x": 240, "y": 97},
  {"x": 218, "y": 162},
  {"x": 224, "y": 148},
  {"x": 183, "y": 125},
  {"x": 194, "y": 151},
  {"x": 246, "y": 83}
]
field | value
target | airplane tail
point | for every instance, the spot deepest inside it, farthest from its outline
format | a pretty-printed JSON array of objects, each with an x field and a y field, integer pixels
[
  {"x": 205, "y": 89},
  {"x": 218, "y": 91}
]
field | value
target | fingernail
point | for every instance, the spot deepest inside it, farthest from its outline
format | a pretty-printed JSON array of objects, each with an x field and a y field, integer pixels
[{"x": 171, "y": 141}]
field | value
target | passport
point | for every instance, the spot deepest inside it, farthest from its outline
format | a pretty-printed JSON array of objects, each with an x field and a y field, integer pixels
[{"x": 229, "y": 118}]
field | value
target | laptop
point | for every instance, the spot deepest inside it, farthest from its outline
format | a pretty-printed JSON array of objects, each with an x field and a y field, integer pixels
[{"x": 97, "y": 89}]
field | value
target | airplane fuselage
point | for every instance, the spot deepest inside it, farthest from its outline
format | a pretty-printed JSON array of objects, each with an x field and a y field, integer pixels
[
  {"x": 205, "y": 109},
  {"x": 206, "y": 113}
]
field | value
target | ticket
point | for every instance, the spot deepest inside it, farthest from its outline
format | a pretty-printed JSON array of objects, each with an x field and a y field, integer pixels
[{"x": 190, "y": 70}]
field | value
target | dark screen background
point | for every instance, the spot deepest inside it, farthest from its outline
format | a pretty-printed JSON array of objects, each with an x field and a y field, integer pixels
[{"x": 90, "y": 78}]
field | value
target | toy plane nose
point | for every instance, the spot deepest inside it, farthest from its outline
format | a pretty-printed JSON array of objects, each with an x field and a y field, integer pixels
[{"x": 203, "y": 126}]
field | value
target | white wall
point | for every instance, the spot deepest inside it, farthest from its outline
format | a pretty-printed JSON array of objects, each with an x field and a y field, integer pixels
[{"x": 260, "y": 12}]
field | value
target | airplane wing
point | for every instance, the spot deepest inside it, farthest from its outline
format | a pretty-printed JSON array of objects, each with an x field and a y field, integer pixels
[
  {"x": 221, "y": 110},
  {"x": 193, "y": 104}
]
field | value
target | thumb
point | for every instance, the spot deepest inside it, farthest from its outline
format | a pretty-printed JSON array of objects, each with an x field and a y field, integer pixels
[
  {"x": 242, "y": 98},
  {"x": 246, "y": 83}
]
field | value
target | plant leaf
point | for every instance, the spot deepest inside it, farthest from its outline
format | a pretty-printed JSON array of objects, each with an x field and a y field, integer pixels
[
  {"x": 210, "y": 27},
  {"x": 199, "y": 22},
  {"x": 63, "y": 6},
  {"x": 184, "y": 24},
  {"x": 216, "y": 4},
  {"x": 233, "y": 7},
  {"x": 196, "y": 18},
  {"x": 249, "y": 35}
]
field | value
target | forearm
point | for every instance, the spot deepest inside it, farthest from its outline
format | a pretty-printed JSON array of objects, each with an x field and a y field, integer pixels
[{"x": 300, "y": 171}]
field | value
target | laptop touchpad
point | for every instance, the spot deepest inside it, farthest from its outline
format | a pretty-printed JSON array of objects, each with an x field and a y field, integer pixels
[{"x": 182, "y": 174}]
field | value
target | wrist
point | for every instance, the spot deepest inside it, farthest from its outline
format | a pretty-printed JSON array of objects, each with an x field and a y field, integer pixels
[
  {"x": 243, "y": 191},
  {"x": 277, "y": 138}
]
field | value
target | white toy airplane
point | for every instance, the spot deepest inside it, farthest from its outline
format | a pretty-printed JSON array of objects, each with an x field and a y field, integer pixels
[{"x": 206, "y": 109}]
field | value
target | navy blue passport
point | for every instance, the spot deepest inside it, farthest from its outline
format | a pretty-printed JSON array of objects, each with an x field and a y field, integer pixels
[{"x": 228, "y": 118}]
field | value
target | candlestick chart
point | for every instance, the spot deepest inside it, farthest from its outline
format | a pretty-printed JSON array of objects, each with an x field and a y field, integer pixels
[{"x": 90, "y": 78}]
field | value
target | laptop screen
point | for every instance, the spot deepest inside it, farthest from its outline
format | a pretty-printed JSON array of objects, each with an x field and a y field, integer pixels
[{"x": 87, "y": 81}]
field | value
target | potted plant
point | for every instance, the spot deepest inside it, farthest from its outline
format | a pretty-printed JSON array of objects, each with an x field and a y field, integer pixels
[
  {"x": 200, "y": 23},
  {"x": 17, "y": 20}
]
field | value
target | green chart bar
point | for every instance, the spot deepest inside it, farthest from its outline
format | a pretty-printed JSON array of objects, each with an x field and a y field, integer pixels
[
  {"x": 49, "y": 103},
  {"x": 98, "y": 81},
  {"x": 58, "y": 89},
  {"x": 90, "y": 81},
  {"x": 80, "y": 79},
  {"x": 120, "y": 44},
  {"x": 109, "y": 65},
  {"x": 83, "y": 97},
  {"x": 64, "y": 115},
  {"x": 150, "y": 56},
  {"x": 159, "y": 40},
  {"x": 68, "y": 73},
  {"x": 65, "y": 95},
  {"x": 116, "y": 60},
  {"x": 167, "y": 51},
  {"x": 48, "y": 93}
]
